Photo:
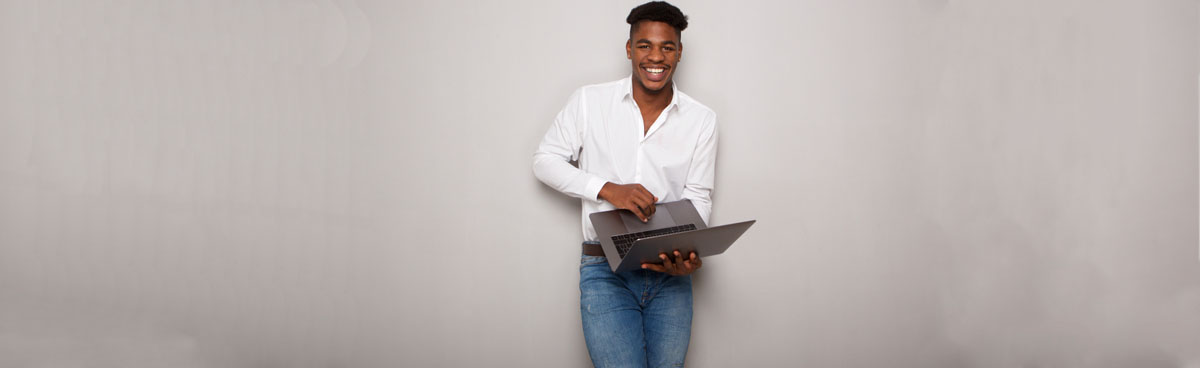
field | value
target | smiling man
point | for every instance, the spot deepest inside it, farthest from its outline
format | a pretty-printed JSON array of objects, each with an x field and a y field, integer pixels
[{"x": 638, "y": 141}]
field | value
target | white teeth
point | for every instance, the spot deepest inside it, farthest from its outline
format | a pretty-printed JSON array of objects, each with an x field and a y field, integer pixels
[{"x": 654, "y": 70}]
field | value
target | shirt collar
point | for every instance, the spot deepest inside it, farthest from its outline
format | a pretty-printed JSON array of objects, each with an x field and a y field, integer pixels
[{"x": 627, "y": 87}]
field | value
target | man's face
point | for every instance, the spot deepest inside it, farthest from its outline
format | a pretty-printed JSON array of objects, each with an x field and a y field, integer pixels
[{"x": 654, "y": 48}]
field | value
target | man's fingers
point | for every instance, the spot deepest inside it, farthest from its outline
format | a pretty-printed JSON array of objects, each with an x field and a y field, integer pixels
[
  {"x": 667, "y": 264},
  {"x": 637, "y": 211},
  {"x": 633, "y": 197},
  {"x": 679, "y": 265},
  {"x": 684, "y": 263},
  {"x": 643, "y": 198},
  {"x": 648, "y": 207},
  {"x": 644, "y": 194},
  {"x": 641, "y": 210},
  {"x": 653, "y": 267},
  {"x": 651, "y": 200},
  {"x": 693, "y": 262},
  {"x": 632, "y": 205}
]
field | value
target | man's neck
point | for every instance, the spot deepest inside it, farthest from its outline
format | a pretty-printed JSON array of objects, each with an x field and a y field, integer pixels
[{"x": 651, "y": 99}]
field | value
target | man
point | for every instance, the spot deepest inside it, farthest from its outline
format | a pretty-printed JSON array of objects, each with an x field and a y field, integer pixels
[{"x": 638, "y": 141}]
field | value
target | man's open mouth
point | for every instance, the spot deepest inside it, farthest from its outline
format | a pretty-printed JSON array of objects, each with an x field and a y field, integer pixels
[{"x": 655, "y": 73}]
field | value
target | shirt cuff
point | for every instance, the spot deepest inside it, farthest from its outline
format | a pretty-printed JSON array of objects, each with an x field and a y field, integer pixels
[{"x": 592, "y": 190}]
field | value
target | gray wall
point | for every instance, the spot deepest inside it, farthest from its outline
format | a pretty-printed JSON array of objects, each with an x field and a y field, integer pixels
[{"x": 347, "y": 183}]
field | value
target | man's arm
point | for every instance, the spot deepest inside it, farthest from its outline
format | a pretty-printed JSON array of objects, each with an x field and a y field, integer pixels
[
  {"x": 560, "y": 146},
  {"x": 701, "y": 174},
  {"x": 562, "y": 143}
]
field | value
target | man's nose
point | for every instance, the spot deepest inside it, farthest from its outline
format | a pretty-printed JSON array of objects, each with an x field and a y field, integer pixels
[{"x": 656, "y": 55}]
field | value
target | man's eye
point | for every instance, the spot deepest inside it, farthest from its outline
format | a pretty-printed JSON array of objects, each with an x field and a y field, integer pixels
[
  {"x": 643, "y": 46},
  {"x": 668, "y": 49}
]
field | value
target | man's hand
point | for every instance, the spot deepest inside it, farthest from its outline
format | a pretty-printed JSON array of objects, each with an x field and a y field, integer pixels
[
  {"x": 677, "y": 266},
  {"x": 632, "y": 197}
]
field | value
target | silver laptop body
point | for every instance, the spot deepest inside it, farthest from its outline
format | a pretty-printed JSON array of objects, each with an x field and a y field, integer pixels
[{"x": 628, "y": 242}]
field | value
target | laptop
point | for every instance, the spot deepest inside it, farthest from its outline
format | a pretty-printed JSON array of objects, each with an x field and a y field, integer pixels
[{"x": 628, "y": 242}]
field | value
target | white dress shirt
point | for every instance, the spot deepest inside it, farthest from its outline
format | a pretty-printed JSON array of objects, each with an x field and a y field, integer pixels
[{"x": 601, "y": 128}]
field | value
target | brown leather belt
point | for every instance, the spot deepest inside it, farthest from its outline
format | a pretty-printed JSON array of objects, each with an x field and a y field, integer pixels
[{"x": 593, "y": 249}]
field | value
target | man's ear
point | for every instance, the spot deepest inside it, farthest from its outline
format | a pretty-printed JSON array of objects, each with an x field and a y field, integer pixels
[{"x": 629, "y": 49}]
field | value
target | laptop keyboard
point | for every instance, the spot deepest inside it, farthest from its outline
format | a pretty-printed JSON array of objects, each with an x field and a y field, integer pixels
[{"x": 625, "y": 241}]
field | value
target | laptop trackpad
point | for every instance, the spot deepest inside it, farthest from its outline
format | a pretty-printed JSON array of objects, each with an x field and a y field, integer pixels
[{"x": 660, "y": 219}]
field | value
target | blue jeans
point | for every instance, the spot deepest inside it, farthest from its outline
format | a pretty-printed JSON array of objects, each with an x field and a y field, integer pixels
[{"x": 640, "y": 318}]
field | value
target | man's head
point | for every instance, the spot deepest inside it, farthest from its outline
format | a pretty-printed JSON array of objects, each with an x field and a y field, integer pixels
[{"x": 654, "y": 45}]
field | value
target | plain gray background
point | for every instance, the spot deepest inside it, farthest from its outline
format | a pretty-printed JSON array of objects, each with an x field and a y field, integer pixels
[{"x": 937, "y": 183}]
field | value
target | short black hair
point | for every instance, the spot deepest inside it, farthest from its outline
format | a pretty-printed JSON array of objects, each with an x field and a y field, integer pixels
[{"x": 657, "y": 11}]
